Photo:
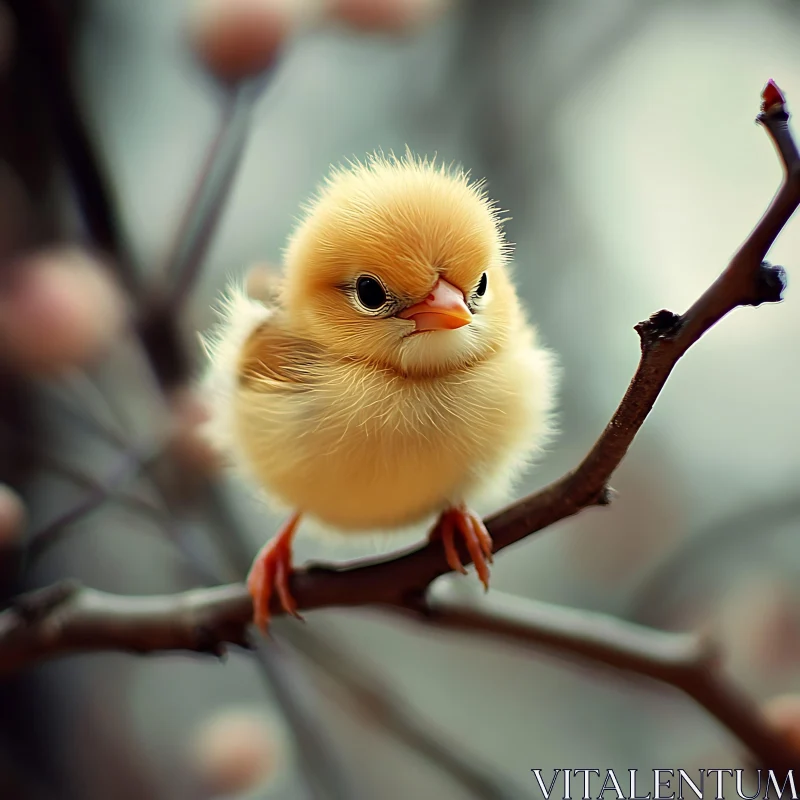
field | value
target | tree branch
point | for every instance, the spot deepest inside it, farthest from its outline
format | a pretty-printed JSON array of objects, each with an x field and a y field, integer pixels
[
  {"x": 207, "y": 202},
  {"x": 68, "y": 618},
  {"x": 129, "y": 465},
  {"x": 42, "y": 30},
  {"x": 687, "y": 662}
]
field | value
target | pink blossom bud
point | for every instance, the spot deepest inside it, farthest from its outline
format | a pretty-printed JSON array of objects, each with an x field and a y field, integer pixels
[
  {"x": 783, "y": 712},
  {"x": 233, "y": 751},
  {"x": 237, "y": 39},
  {"x": 59, "y": 309}
]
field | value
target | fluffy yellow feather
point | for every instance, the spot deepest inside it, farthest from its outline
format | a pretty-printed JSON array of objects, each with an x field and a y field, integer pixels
[{"x": 394, "y": 377}]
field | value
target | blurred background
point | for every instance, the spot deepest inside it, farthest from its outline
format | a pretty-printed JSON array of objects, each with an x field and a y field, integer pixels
[{"x": 620, "y": 137}]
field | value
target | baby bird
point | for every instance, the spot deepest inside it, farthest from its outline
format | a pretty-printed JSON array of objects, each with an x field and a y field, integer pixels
[{"x": 392, "y": 375}]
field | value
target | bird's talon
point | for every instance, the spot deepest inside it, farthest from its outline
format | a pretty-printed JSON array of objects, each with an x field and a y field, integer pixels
[
  {"x": 282, "y": 574},
  {"x": 271, "y": 570},
  {"x": 483, "y": 535},
  {"x": 451, "y": 553},
  {"x": 257, "y": 585},
  {"x": 475, "y": 536}
]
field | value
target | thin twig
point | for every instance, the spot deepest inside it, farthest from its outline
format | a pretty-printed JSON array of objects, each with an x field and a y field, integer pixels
[
  {"x": 320, "y": 766},
  {"x": 379, "y": 703},
  {"x": 210, "y": 194},
  {"x": 128, "y": 466},
  {"x": 158, "y": 325},
  {"x": 90, "y": 408},
  {"x": 157, "y": 509},
  {"x": 111, "y": 490}
]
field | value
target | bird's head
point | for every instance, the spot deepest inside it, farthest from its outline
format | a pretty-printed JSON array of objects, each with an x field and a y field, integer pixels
[{"x": 402, "y": 263}]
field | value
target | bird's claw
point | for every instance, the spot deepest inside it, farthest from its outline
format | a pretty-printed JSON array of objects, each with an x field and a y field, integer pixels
[
  {"x": 271, "y": 570},
  {"x": 477, "y": 539}
]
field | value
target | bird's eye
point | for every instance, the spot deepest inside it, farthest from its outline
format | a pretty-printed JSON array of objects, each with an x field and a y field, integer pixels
[
  {"x": 370, "y": 292},
  {"x": 482, "y": 284}
]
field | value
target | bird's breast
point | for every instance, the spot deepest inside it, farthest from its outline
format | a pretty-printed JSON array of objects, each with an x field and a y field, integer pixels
[{"x": 364, "y": 451}]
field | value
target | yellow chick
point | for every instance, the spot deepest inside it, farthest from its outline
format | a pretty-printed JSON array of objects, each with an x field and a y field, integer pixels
[{"x": 393, "y": 376}]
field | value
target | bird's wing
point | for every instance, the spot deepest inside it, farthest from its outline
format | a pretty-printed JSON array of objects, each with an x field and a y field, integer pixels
[{"x": 275, "y": 355}]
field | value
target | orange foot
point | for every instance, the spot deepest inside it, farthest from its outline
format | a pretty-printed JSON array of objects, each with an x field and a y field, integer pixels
[
  {"x": 478, "y": 540},
  {"x": 271, "y": 570}
]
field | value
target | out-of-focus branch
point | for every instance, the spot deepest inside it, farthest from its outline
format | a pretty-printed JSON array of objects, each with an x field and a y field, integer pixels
[
  {"x": 210, "y": 194},
  {"x": 680, "y": 577},
  {"x": 686, "y": 662},
  {"x": 130, "y": 464},
  {"x": 362, "y": 688},
  {"x": 42, "y": 29},
  {"x": 158, "y": 325},
  {"x": 109, "y": 489}
]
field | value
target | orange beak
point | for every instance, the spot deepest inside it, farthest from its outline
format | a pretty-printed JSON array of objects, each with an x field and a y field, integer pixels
[{"x": 444, "y": 309}]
